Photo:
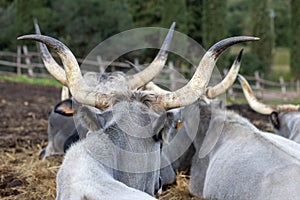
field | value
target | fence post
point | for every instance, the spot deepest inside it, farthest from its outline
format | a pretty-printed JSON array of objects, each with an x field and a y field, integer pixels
[
  {"x": 137, "y": 66},
  {"x": 19, "y": 69},
  {"x": 283, "y": 88},
  {"x": 258, "y": 85},
  {"x": 298, "y": 86},
  {"x": 136, "y": 62},
  {"x": 100, "y": 63},
  {"x": 27, "y": 60}
]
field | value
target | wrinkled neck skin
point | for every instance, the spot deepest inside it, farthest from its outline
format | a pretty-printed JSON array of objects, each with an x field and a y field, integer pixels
[
  {"x": 246, "y": 163},
  {"x": 289, "y": 126},
  {"x": 212, "y": 121}
]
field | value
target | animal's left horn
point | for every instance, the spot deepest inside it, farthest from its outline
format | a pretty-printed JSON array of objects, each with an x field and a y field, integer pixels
[
  {"x": 145, "y": 76},
  {"x": 79, "y": 89},
  {"x": 198, "y": 83},
  {"x": 227, "y": 81}
]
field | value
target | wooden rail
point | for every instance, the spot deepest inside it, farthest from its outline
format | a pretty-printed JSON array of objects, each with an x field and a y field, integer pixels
[{"x": 30, "y": 63}]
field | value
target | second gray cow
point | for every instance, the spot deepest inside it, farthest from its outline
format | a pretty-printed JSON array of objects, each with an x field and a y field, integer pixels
[
  {"x": 235, "y": 160},
  {"x": 285, "y": 118}
]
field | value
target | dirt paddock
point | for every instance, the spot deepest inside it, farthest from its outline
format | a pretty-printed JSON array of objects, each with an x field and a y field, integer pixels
[{"x": 23, "y": 126}]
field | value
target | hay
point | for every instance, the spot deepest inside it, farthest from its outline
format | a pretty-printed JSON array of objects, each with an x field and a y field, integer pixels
[
  {"x": 178, "y": 191},
  {"x": 24, "y": 176}
]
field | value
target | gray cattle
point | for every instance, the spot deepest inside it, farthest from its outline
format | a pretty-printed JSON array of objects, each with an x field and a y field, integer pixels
[
  {"x": 287, "y": 124},
  {"x": 183, "y": 124},
  {"x": 125, "y": 150},
  {"x": 60, "y": 126},
  {"x": 285, "y": 119},
  {"x": 238, "y": 161}
]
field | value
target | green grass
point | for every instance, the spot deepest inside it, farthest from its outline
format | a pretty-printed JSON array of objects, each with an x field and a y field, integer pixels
[
  {"x": 280, "y": 63},
  {"x": 280, "y": 66},
  {"x": 34, "y": 80}
]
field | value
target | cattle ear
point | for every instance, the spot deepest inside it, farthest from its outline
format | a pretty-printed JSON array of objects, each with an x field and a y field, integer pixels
[
  {"x": 212, "y": 136},
  {"x": 104, "y": 118},
  {"x": 275, "y": 120},
  {"x": 174, "y": 118},
  {"x": 158, "y": 125},
  {"x": 89, "y": 119},
  {"x": 64, "y": 108}
]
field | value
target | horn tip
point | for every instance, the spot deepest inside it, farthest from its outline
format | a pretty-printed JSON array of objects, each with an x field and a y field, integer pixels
[
  {"x": 27, "y": 37},
  {"x": 173, "y": 25},
  {"x": 239, "y": 57},
  {"x": 23, "y": 37}
]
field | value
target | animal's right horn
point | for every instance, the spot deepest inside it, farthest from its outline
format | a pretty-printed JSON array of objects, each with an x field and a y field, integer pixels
[
  {"x": 51, "y": 65},
  {"x": 252, "y": 100},
  {"x": 79, "y": 89}
]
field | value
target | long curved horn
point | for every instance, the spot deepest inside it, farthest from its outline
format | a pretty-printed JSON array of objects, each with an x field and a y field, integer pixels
[
  {"x": 287, "y": 107},
  {"x": 260, "y": 107},
  {"x": 198, "y": 83},
  {"x": 140, "y": 79},
  {"x": 64, "y": 93},
  {"x": 79, "y": 89},
  {"x": 149, "y": 86},
  {"x": 228, "y": 80},
  {"x": 51, "y": 65},
  {"x": 252, "y": 100}
]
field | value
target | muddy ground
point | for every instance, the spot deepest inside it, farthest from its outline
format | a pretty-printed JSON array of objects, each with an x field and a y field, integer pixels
[{"x": 24, "y": 110}]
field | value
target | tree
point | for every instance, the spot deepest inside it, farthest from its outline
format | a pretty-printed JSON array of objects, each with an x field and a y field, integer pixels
[
  {"x": 261, "y": 28},
  {"x": 214, "y": 26},
  {"x": 281, "y": 22},
  {"x": 90, "y": 22},
  {"x": 295, "y": 41}
]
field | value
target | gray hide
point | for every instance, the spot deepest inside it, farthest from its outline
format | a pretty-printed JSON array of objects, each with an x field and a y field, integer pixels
[
  {"x": 238, "y": 161},
  {"x": 287, "y": 124},
  {"x": 115, "y": 153},
  {"x": 90, "y": 179},
  {"x": 179, "y": 149},
  {"x": 60, "y": 127}
]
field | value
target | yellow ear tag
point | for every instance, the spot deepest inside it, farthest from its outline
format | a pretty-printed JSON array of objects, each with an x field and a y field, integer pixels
[
  {"x": 178, "y": 126},
  {"x": 66, "y": 109},
  {"x": 69, "y": 111}
]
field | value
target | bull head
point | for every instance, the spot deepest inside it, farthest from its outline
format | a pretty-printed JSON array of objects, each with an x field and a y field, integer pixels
[{"x": 186, "y": 95}]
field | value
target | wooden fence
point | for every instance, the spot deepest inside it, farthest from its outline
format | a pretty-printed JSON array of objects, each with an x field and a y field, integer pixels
[{"x": 30, "y": 63}]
